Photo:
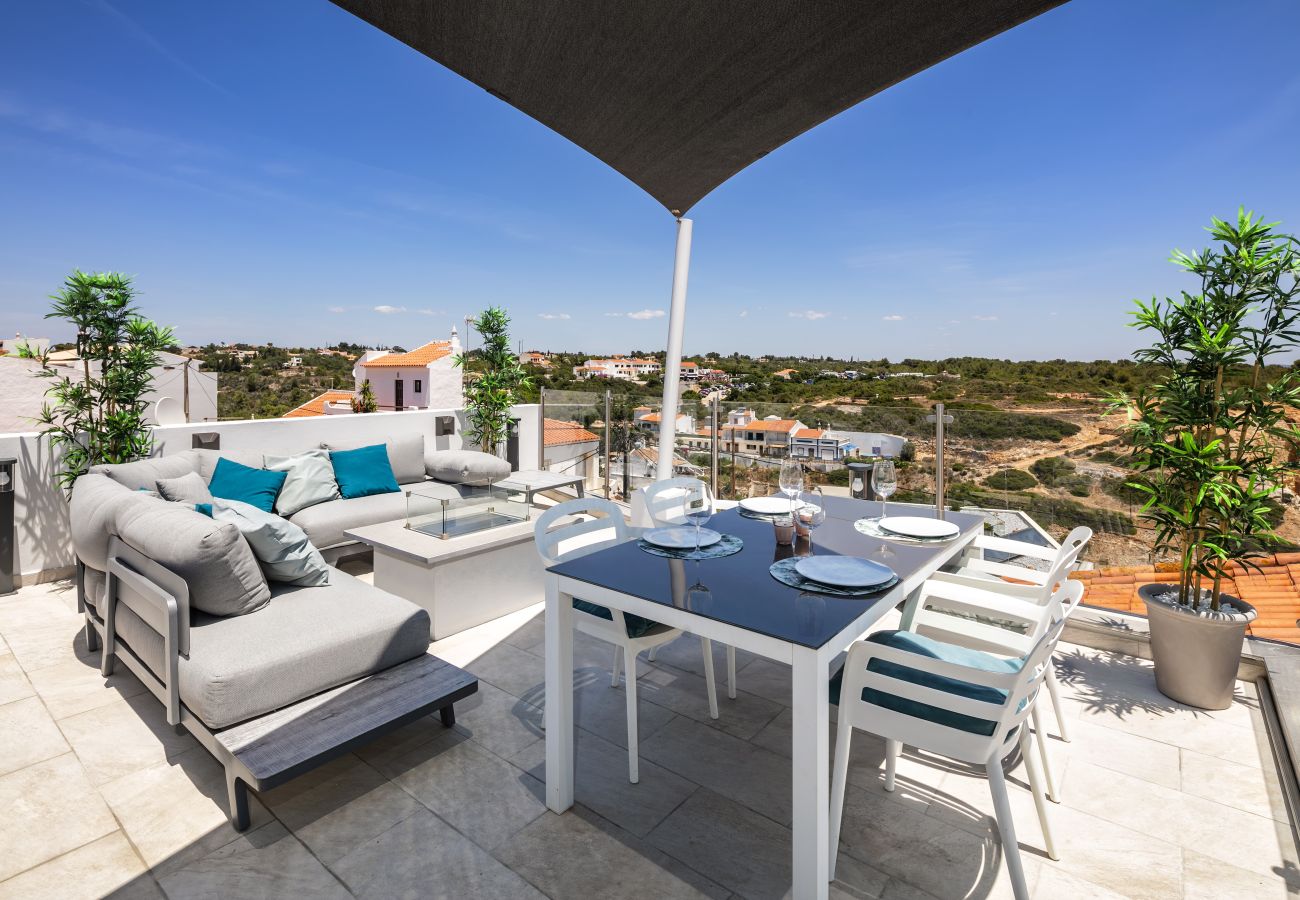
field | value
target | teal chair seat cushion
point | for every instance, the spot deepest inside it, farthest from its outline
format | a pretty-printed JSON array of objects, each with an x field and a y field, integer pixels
[
  {"x": 636, "y": 626},
  {"x": 923, "y": 646}
]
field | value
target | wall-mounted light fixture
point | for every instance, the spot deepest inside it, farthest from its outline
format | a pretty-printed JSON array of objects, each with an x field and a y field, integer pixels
[
  {"x": 7, "y": 466},
  {"x": 859, "y": 477},
  {"x": 206, "y": 440},
  {"x": 444, "y": 425}
]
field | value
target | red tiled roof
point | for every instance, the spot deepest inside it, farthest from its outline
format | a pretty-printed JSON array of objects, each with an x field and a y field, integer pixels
[
  {"x": 1273, "y": 589},
  {"x": 557, "y": 433},
  {"x": 809, "y": 433},
  {"x": 316, "y": 405},
  {"x": 420, "y": 356},
  {"x": 782, "y": 425}
]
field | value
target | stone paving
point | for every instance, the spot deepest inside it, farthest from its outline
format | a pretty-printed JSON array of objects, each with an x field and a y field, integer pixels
[{"x": 99, "y": 797}]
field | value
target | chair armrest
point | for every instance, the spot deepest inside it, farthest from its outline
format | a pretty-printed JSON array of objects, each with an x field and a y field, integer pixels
[
  {"x": 987, "y": 585},
  {"x": 999, "y": 570}
]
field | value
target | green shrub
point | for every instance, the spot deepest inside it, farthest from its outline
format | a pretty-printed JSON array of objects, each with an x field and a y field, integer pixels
[
  {"x": 1052, "y": 469},
  {"x": 1010, "y": 480}
]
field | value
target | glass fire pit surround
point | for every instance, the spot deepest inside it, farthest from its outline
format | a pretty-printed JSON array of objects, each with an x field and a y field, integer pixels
[{"x": 448, "y": 510}]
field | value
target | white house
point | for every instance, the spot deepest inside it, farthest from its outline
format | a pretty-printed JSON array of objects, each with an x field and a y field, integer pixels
[
  {"x": 570, "y": 449},
  {"x": 621, "y": 367},
  {"x": 424, "y": 378}
]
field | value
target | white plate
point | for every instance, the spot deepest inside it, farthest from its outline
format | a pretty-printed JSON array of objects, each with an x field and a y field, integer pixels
[
  {"x": 919, "y": 527},
  {"x": 843, "y": 571},
  {"x": 768, "y": 506},
  {"x": 680, "y": 538}
]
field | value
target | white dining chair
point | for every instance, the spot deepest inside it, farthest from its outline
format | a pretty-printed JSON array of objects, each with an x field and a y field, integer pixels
[
  {"x": 666, "y": 503},
  {"x": 1003, "y": 619},
  {"x": 583, "y": 526},
  {"x": 1027, "y": 583},
  {"x": 951, "y": 701}
]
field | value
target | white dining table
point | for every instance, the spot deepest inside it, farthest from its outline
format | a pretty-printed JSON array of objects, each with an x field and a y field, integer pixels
[{"x": 749, "y": 609}]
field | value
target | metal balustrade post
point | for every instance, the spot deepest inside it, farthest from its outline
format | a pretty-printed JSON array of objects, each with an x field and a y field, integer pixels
[
  {"x": 713, "y": 453},
  {"x": 940, "y": 420},
  {"x": 607, "y": 414},
  {"x": 541, "y": 430}
]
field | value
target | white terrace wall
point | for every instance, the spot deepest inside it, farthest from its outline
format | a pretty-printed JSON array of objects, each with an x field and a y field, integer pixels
[{"x": 43, "y": 549}]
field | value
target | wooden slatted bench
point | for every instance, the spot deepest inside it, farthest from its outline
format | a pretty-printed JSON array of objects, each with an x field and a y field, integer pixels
[{"x": 281, "y": 745}]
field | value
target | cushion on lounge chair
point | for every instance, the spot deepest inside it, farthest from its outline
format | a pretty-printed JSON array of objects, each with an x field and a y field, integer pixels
[
  {"x": 187, "y": 488},
  {"x": 236, "y": 481},
  {"x": 97, "y": 501},
  {"x": 923, "y": 646},
  {"x": 465, "y": 466},
  {"x": 636, "y": 626},
  {"x": 207, "y": 460},
  {"x": 305, "y": 641},
  {"x": 405, "y": 454},
  {"x": 145, "y": 473}
]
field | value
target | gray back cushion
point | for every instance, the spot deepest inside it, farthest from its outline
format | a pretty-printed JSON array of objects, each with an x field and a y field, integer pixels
[
  {"x": 146, "y": 473},
  {"x": 207, "y": 460},
  {"x": 405, "y": 455},
  {"x": 465, "y": 466},
  {"x": 96, "y": 503},
  {"x": 310, "y": 480},
  {"x": 188, "y": 488},
  {"x": 213, "y": 558},
  {"x": 279, "y": 545}
]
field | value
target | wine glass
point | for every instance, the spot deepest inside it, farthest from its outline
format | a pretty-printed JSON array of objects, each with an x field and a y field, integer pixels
[
  {"x": 812, "y": 514},
  {"x": 791, "y": 480},
  {"x": 699, "y": 509},
  {"x": 884, "y": 481}
]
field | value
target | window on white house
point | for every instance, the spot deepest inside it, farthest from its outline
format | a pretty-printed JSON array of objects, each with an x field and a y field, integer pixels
[{"x": 418, "y": 386}]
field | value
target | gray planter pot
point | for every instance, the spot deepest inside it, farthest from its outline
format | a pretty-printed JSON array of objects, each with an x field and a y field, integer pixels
[{"x": 1196, "y": 653}]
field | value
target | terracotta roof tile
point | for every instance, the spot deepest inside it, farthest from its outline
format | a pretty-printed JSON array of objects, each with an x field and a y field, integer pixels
[
  {"x": 557, "y": 433},
  {"x": 420, "y": 356},
  {"x": 316, "y": 405}
]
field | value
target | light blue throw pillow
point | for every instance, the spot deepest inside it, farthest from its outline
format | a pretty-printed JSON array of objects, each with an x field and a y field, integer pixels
[
  {"x": 281, "y": 547},
  {"x": 233, "y": 481},
  {"x": 310, "y": 480},
  {"x": 363, "y": 471}
]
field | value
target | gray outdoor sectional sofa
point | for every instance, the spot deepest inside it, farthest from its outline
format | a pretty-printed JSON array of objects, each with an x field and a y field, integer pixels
[{"x": 310, "y": 673}]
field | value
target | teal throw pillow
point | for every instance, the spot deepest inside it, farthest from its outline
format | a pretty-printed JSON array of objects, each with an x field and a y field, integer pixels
[
  {"x": 257, "y": 487},
  {"x": 363, "y": 471}
]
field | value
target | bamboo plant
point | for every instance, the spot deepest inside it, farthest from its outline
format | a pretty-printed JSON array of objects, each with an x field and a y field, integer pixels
[
  {"x": 494, "y": 383},
  {"x": 1211, "y": 437},
  {"x": 99, "y": 416}
]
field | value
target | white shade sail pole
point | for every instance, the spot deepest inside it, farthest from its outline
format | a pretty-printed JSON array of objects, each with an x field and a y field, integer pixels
[{"x": 673, "y": 363}]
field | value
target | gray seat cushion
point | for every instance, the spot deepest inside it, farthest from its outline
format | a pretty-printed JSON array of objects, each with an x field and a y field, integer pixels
[
  {"x": 305, "y": 641},
  {"x": 405, "y": 454},
  {"x": 326, "y": 522},
  {"x": 465, "y": 466}
]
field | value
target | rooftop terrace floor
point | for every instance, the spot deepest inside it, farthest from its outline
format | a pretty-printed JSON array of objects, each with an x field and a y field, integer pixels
[{"x": 98, "y": 796}]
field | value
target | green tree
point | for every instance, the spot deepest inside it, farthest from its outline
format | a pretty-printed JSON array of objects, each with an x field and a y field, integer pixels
[
  {"x": 495, "y": 385},
  {"x": 364, "y": 400},
  {"x": 99, "y": 417},
  {"x": 1207, "y": 437}
]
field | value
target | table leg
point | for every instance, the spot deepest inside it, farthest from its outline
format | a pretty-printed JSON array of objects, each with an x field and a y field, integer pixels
[
  {"x": 811, "y": 765},
  {"x": 910, "y": 607},
  {"x": 558, "y": 717}
]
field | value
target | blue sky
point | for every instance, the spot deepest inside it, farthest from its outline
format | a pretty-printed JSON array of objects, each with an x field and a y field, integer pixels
[{"x": 258, "y": 168}]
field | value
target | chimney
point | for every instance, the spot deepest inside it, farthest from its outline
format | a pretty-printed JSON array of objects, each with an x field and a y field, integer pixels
[{"x": 455, "y": 340}]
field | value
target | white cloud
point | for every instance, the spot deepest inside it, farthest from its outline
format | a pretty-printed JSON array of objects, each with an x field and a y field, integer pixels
[
  {"x": 744, "y": 313},
  {"x": 338, "y": 309},
  {"x": 385, "y": 309},
  {"x": 613, "y": 315},
  {"x": 810, "y": 314},
  {"x": 985, "y": 318},
  {"x": 647, "y": 314},
  {"x": 431, "y": 312},
  {"x": 553, "y": 316},
  {"x": 893, "y": 318}
]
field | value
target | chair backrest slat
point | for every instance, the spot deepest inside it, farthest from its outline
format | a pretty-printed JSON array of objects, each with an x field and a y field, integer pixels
[
  {"x": 667, "y": 501},
  {"x": 560, "y": 534}
]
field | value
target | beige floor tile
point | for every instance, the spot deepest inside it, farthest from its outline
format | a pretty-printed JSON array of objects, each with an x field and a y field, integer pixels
[
  {"x": 75, "y": 686},
  {"x": 176, "y": 812},
  {"x": 1114, "y": 858},
  {"x": 1207, "y": 878},
  {"x": 264, "y": 862},
  {"x": 108, "y": 867},
  {"x": 13, "y": 683},
  {"x": 1183, "y": 819},
  {"x": 1254, "y": 790},
  {"x": 124, "y": 736},
  {"x": 48, "y": 809},
  {"x": 1120, "y": 751},
  {"x": 27, "y": 735}
]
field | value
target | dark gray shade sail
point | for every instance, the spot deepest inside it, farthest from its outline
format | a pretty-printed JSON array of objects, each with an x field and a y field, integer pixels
[{"x": 679, "y": 95}]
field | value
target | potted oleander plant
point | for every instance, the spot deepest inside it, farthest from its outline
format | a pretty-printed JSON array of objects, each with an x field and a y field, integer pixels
[
  {"x": 98, "y": 415},
  {"x": 493, "y": 381},
  {"x": 1210, "y": 441}
]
